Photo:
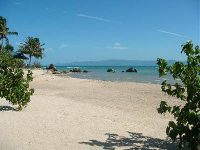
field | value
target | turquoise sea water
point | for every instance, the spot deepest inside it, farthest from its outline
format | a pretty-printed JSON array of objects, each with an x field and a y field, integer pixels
[{"x": 144, "y": 75}]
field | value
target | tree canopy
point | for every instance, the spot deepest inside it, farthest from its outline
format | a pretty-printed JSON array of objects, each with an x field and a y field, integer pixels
[
  {"x": 32, "y": 47},
  {"x": 4, "y": 32}
]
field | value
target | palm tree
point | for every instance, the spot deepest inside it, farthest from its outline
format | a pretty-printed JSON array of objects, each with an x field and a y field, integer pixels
[
  {"x": 4, "y": 31},
  {"x": 32, "y": 47},
  {"x": 9, "y": 48}
]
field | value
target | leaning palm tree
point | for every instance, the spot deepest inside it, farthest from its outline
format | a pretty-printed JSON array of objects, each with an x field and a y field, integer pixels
[
  {"x": 32, "y": 47},
  {"x": 4, "y": 32}
]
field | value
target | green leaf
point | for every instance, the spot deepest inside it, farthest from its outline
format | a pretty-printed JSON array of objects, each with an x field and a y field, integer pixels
[{"x": 186, "y": 126}]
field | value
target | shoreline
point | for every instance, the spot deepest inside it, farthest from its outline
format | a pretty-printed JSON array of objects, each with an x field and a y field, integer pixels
[
  {"x": 67, "y": 75},
  {"x": 67, "y": 113},
  {"x": 143, "y": 75},
  {"x": 99, "y": 80}
]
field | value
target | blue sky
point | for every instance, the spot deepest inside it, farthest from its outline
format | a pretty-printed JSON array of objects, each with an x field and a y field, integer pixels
[{"x": 82, "y": 30}]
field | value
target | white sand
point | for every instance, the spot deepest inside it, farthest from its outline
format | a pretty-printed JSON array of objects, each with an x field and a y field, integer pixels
[{"x": 64, "y": 112}]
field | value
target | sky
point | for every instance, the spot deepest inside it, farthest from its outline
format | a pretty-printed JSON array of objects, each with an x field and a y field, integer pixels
[{"x": 89, "y": 30}]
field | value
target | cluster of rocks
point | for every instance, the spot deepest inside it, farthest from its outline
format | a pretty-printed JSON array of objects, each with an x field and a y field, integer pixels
[
  {"x": 75, "y": 70},
  {"x": 53, "y": 69},
  {"x": 111, "y": 70},
  {"x": 78, "y": 70},
  {"x": 131, "y": 70},
  {"x": 128, "y": 70}
]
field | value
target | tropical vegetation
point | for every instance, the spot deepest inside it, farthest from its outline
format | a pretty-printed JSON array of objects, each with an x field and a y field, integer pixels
[
  {"x": 4, "y": 32},
  {"x": 32, "y": 47},
  {"x": 14, "y": 81},
  {"x": 185, "y": 129}
]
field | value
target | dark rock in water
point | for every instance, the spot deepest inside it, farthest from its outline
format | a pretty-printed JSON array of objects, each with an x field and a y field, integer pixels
[
  {"x": 52, "y": 68},
  {"x": 131, "y": 70},
  {"x": 56, "y": 72},
  {"x": 111, "y": 70},
  {"x": 123, "y": 71},
  {"x": 64, "y": 72},
  {"x": 85, "y": 71},
  {"x": 75, "y": 70}
]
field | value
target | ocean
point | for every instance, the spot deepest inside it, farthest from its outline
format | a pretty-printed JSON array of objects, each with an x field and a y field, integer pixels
[{"x": 145, "y": 74}]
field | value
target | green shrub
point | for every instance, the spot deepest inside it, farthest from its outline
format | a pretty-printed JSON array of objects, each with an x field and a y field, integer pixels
[
  {"x": 186, "y": 127},
  {"x": 14, "y": 84}
]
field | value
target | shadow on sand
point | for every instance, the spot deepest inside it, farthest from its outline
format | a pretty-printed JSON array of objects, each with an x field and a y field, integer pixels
[
  {"x": 7, "y": 108},
  {"x": 135, "y": 141}
]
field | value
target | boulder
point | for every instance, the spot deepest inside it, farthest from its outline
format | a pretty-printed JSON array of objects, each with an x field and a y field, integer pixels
[
  {"x": 131, "y": 70},
  {"x": 85, "y": 71},
  {"x": 56, "y": 72},
  {"x": 111, "y": 70},
  {"x": 64, "y": 72},
  {"x": 52, "y": 68},
  {"x": 75, "y": 70}
]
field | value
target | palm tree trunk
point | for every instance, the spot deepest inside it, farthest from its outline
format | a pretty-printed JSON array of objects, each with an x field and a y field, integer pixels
[{"x": 29, "y": 61}]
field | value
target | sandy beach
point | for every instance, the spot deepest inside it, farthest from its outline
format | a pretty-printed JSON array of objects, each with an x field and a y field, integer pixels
[{"x": 69, "y": 113}]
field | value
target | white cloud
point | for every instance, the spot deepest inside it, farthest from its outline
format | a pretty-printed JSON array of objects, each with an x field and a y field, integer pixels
[
  {"x": 17, "y": 3},
  {"x": 63, "y": 46},
  {"x": 172, "y": 33},
  {"x": 118, "y": 46},
  {"x": 97, "y": 18},
  {"x": 49, "y": 49}
]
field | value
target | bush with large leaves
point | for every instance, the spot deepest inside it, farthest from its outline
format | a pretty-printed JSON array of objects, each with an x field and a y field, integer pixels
[
  {"x": 14, "y": 84},
  {"x": 186, "y": 127}
]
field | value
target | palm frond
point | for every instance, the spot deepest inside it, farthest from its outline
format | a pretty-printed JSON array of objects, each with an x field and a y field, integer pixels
[{"x": 12, "y": 33}]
